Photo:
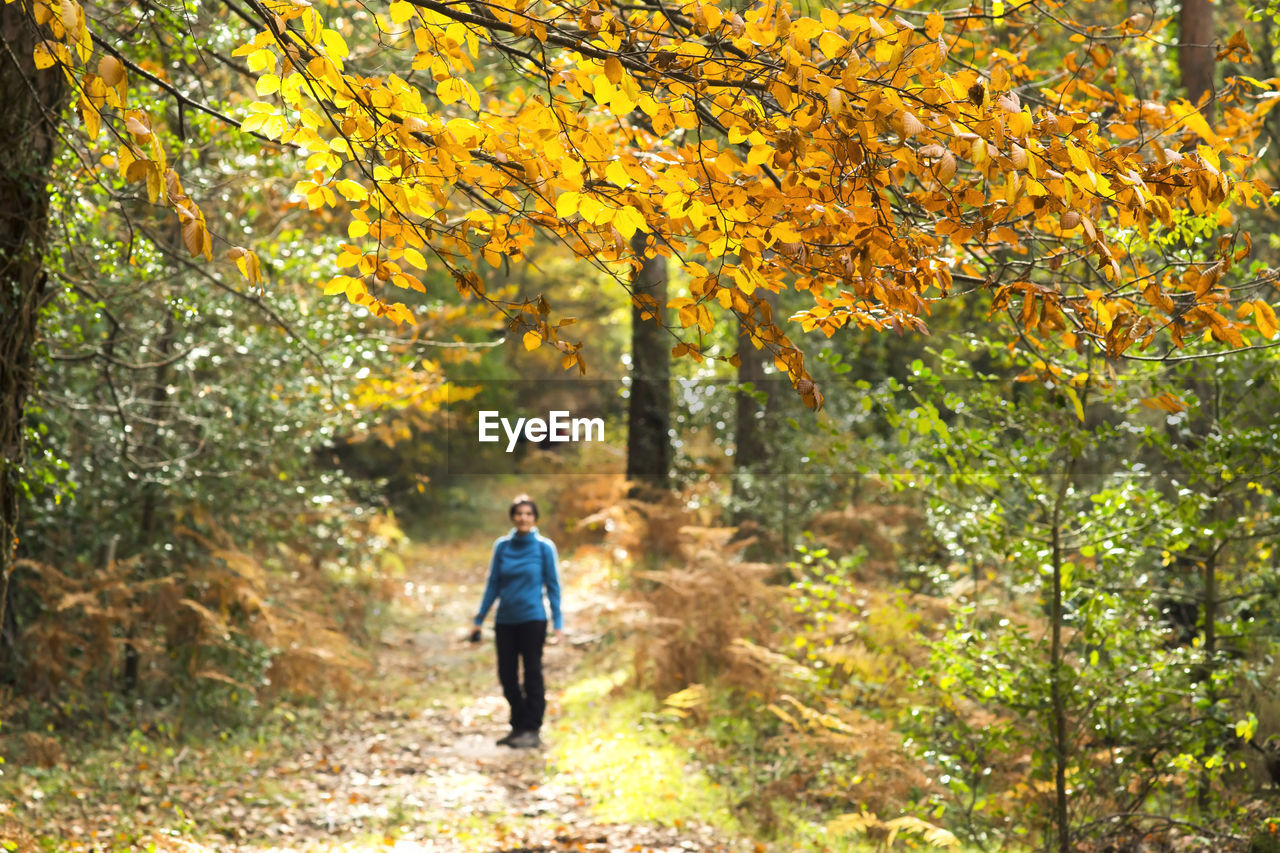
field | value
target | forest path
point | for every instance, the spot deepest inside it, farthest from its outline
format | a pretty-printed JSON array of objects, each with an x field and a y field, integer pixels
[
  {"x": 416, "y": 768},
  {"x": 405, "y": 762}
]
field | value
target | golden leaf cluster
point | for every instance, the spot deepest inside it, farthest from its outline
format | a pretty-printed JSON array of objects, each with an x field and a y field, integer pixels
[{"x": 867, "y": 159}]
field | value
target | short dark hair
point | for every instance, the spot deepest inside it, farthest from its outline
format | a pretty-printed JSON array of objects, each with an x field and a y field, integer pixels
[{"x": 522, "y": 500}]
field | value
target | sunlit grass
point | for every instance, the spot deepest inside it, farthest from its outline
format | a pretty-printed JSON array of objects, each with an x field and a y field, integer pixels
[
  {"x": 606, "y": 744},
  {"x": 612, "y": 742}
]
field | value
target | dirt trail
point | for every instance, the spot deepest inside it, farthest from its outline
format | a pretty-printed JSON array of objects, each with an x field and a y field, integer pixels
[
  {"x": 408, "y": 764},
  {"x": 423, "y": 771}
]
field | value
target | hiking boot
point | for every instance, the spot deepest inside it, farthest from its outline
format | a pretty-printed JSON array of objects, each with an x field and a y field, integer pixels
[
  {"x": 506, "y": 739},
  {"x": 525, "y": 740}
]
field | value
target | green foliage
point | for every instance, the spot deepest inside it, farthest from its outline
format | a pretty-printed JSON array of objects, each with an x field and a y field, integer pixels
[
  {"x": 1025, "y": 489},
  {"x": 174, "y": 408}
]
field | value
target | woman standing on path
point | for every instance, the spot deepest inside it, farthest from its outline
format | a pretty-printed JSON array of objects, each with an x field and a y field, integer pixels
[{"x": 523, "y": 562}]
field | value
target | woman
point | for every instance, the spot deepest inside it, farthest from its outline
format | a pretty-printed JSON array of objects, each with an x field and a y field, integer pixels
[{"x": 523, "y": 563}]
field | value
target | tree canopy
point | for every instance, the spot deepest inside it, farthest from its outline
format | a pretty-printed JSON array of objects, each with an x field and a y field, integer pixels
[{"x": 878, "y": 157}]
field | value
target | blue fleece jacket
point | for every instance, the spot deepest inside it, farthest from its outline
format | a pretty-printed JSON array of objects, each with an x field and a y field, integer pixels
[{"x": 522, "y": 564}]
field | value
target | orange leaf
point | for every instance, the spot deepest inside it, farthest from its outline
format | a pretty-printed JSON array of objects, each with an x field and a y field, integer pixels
[{"x": 1265, "y": 318}]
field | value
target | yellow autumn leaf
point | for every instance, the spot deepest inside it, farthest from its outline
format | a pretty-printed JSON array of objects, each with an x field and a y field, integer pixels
[
  {"x": 705, "y": 321},
  {"x": 336, "y": 285},
  {"x": 831, "y": 44},
  {"x": 408, "y": 282},
  {"x": 1265, "y": 318},
  {"x": 350, "y": 190},
  {"x": 456, "y": 89},
  {"x": 532, "y": 340},
  {"x": 268, "y": 84},
  {"x": 1078, "y": 158},
  {"x": 933, "y": 24},
  {"x": 617, "y": 175},
  {"x": 628, "y": 221},
  {"x": 593, "y": 211},
  {"x": 400, "y": 313},
  {"x": 250, "y": 266},
  {"x": 261, "y": 59},
  {"x": 414, "y": 257},
  {"x": 334, "y": 44},
  {"x": 1105, "y": 316},
  {"x": 43, "y": 57},
  {"x": 401, "y": 11},
  {"x": 1075, "y": 402},
  {"x": 69, "y": 15},
  {"x": 91, "y": 117},
  {"x": 567, "y": 204},
  {"x": 613, "y": 70}
]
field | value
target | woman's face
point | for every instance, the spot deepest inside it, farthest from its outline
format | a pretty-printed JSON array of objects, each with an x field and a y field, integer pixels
[{"x": 523, "y": 518}]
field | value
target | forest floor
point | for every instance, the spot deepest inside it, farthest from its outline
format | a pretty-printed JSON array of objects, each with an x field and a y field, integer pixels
[{"x": 407, "y": 763}]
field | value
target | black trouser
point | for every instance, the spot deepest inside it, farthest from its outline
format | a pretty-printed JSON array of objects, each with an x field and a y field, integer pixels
[{"x": 522, "y": 640}]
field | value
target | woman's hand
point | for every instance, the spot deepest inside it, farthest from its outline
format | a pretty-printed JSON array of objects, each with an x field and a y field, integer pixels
[
  {"x": 558, "y": 637},
  {"x": 473, "y": 633}
]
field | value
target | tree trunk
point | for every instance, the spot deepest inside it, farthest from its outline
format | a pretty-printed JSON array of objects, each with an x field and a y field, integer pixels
[
  {"x": 649, "y": 412},
  {"x": 1210, "y": 606},
  {"x": 750, "y": 458},
  {"x": 150, "y": 449},
  {"x": 30, "y": 109},
  {"x": 1057, "y": 665},
  {"x": 1195, "y": 51}
]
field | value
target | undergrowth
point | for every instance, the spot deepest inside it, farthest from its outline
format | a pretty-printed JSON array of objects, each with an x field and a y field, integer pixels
[
  {"x": 781, "y": 685},
  {"x": 226, "y": 629},
  {"x": 641, "y": 761}
]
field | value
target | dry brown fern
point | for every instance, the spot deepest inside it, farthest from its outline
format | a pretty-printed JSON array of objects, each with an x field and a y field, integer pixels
[{"x": 93, "y": 623}]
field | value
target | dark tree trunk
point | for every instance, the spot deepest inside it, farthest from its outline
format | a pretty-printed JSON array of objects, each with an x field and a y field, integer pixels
[
  {"x": 649, "y": 412},
  {"x": 151, "y": 449},
  {"x": 1195, "y": 51},
  {"x": 1057, "y": 689},
  {"x": 1211, "y": 663},
  {"x": 750, "y": 457},
  {"x": 749, "y": 436},
  {"x": 30, "y": 109}
]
